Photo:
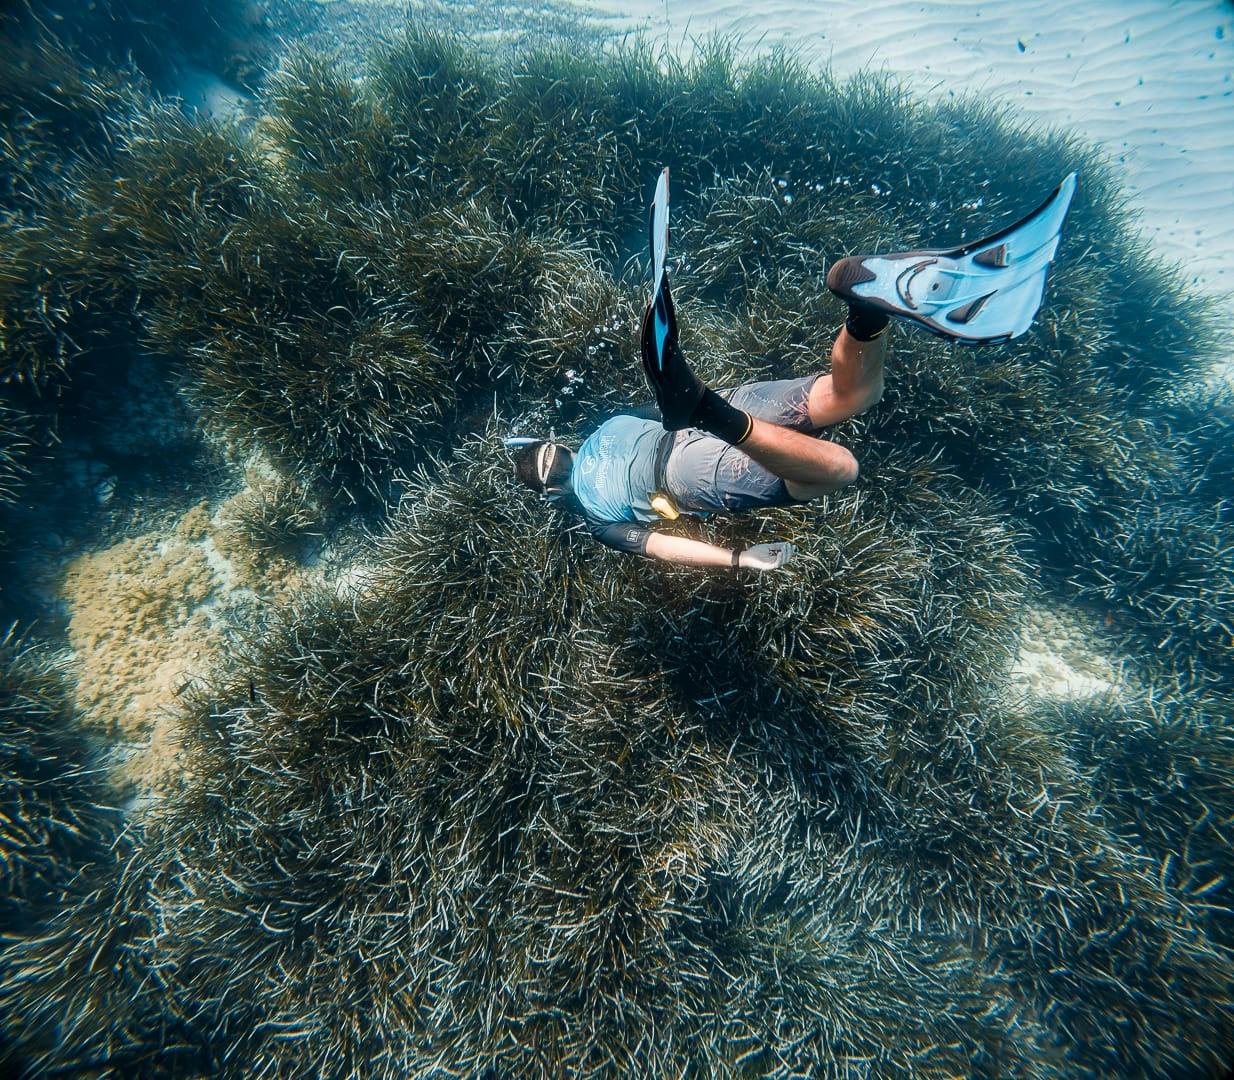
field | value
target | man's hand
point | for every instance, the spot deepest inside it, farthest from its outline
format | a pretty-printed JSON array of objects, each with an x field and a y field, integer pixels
[{"x": 766, "y": 556}]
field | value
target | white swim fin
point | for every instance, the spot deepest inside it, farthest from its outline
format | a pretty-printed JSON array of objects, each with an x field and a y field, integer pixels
[{"x": 983, "y": 293}]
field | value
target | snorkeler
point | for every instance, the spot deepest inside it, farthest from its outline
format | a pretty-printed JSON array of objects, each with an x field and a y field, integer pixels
[{"x": 699, "y": 452}]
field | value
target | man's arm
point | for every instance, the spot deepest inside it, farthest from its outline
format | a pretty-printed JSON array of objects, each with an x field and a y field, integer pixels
[
  {"x": 681, "y": 549},
  {"x": 637, "y": 539},
  {"x": 628, "y": 536}
]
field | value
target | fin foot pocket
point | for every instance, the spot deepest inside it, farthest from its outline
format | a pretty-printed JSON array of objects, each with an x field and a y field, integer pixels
[{"x": 846, "y": 273}]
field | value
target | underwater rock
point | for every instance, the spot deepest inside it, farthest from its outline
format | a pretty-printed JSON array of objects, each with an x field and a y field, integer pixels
[
  {"x": 149, "y": 617},
  {"x": 139, "y": 633}
]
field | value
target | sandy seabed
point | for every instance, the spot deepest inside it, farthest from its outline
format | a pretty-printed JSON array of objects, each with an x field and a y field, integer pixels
[
  {"x": 149, "y": 617},
  {"x": 1151, "y": 83}
]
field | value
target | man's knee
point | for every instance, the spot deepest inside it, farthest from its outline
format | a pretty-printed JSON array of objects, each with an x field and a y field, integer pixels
[
  {"x": 838, "y": 471},
  {"x": 839, "y": 467},
  {"x": 846, "y": 469}
]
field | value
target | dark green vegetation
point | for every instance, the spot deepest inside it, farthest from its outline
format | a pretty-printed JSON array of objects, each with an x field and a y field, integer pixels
[
  {"x": 276, "y": 516},
  {"x": 157, "y": 38},
  {"x": 13, "y": 448},
  {"x": 523, "y": 807},
  {"x": 1158, "y": 763},
  {"x": 50, "y": 820}
]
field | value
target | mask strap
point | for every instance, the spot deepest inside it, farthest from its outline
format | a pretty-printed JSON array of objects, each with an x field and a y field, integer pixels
[
  {"x": 551, "y": 450},
  {"x": 548, "y": 458}
]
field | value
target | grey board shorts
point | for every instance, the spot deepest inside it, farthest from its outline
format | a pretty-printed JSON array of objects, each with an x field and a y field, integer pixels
[{"x": 704, "y": 474}]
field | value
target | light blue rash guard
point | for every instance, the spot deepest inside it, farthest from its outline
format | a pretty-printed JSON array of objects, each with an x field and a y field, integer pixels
[{"x": 615, "y": 470}]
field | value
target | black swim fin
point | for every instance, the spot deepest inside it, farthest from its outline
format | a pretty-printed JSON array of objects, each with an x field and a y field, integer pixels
[{"x": 678, "y": 391}]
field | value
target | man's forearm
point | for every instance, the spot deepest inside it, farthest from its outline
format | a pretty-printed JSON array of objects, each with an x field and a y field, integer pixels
[{"x": 681, "y": 549}]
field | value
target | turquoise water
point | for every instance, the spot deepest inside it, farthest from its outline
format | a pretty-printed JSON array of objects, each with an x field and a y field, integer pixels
[
  {"x": 327, "y": 749},
  {"x": 1149, "y": 82}
]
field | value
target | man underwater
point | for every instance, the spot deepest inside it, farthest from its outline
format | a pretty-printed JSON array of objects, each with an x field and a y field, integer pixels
[{"x": 700, "y": 452}]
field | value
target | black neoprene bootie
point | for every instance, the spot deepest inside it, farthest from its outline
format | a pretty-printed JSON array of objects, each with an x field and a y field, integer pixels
[
  {"x": 684, "y": 401},
  {"x": 865, "y": 323},
  {"x": 678, "y": 390},
  {"x": 717, "y": 417}
]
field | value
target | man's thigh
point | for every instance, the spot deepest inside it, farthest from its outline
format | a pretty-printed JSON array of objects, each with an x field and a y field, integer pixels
[
  {"x": 785, "y": 402},
  {"x": 706, "y": 475}
]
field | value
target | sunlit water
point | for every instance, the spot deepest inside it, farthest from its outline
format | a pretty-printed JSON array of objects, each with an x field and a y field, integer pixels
[{"x": 1151, "y": 82}]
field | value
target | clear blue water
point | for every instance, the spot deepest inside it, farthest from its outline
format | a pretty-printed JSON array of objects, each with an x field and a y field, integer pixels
[{"x": 328, "y": 750}]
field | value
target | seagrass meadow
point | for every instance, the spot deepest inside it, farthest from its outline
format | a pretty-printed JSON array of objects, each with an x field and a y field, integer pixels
[{"x": 492, "y": 801}]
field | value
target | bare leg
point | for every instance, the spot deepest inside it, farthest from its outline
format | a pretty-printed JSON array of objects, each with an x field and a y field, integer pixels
[
  {"x": 855, "y": 382},
  {"x": 813, "y": 466},
  {"x": 809, "y": 465}
]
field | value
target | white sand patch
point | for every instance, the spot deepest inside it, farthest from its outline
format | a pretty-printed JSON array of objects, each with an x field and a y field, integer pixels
[
  {"x": 1151, "y": 82},
  {"x": 349, "y": 581},
  {"x": 1061, "y": 658},
  {"x": 205, "y": 92},
  {"x": 1046, "y": 674}
]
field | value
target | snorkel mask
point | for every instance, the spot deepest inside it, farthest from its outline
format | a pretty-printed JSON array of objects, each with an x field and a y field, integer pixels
[{"x": 546, "y": 458}]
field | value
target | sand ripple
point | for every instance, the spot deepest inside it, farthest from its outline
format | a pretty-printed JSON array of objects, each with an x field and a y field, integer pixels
[{"x": 1153, "y": 83}]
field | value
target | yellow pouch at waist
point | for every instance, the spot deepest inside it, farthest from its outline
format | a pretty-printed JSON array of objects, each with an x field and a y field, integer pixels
[{"x": 663, "y": 505}]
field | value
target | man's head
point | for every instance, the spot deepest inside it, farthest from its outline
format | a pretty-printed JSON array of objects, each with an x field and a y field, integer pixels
[{"x": 545, "y": 467}]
